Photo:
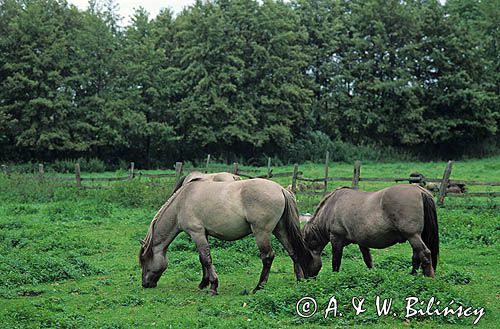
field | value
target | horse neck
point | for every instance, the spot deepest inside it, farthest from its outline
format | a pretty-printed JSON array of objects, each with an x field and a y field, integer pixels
[
  {"x": 319, "y": 224},
  {"x": 319, "y": 219},
  {"x": 165, "y": 230}
]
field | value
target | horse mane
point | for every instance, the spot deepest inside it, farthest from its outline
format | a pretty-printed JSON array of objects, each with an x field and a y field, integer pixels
[
  {"x": 147, "y": 243},
  {"x": 320, "y": 206},
  {"x": 178, "y": 185},
  {"x": 323, "y": 201}
]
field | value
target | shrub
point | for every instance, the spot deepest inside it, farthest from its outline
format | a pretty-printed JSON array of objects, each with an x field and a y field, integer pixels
[
  {"x": 86, "y": 164},
  {"x": 26, "y": 188},
  {"x": 63, "y": 166},
  {"x": 137, "y": 194},
  {"x": 23, "y": 168},
  {"x": 313, "y": 146}
]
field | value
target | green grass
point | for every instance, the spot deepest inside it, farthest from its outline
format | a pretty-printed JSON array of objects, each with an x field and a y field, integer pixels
[{"x": 68, "y": 258}]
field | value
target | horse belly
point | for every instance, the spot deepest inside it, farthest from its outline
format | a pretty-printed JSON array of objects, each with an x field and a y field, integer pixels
[
  {"x": 228, "y": 229},
  {"x": 372, "y": 231},
  {"x": 381, "y": 240},
  {"x": 225, "y": 221}
]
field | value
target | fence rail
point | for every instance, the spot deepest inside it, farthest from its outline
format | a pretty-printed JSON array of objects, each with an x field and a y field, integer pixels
[
  {"x": 296, "y": 176},
  {"x": 444, "y": 182}
]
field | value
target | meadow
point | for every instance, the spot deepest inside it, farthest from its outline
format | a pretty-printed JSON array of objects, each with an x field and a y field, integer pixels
[{"x": 68, "y": 259}]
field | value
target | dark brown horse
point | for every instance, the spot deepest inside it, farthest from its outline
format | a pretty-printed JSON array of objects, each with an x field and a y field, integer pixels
[{"x": 375, "y": 220}]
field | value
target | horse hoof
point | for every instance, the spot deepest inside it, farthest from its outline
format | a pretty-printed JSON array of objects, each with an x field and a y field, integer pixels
[
  {"x": 256, "y": 289},
  {"x": 202, "y": 285},
  {"x": 213, "y": 293}
]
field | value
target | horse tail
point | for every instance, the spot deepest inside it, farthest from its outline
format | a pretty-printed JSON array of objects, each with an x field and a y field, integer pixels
[
  {"x": 290, "y": 218},
  {"x": 430, "y": 234}
]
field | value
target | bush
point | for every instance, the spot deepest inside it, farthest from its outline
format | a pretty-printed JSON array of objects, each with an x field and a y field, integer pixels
[
  {"x": 22, "y": 168},
  {"x": 26, "y": 188},
  {"x": 313, "y": 146},
  {"x": 135, "y": 194},
  {"x": 86, "y": 164}
]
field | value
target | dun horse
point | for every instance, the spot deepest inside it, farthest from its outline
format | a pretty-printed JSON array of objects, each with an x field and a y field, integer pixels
[
  {"x": 375, "y": 220},
  {"x": 228, "y": 210}
]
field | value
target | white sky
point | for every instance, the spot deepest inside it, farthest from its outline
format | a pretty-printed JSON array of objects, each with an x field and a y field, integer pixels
[{"x": 126, "y": 7}]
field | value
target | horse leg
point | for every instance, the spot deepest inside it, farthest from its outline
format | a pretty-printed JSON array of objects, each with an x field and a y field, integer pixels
[
  {"x": 206, "y": 262},
  {"x": 281, "y": 234},
  {"x": 266, "y": 255},
  {"x": 367, "y": 256},
  {"x": 415, "y": 262},
  {"x": 424, "y": 254},
  {"x": 337, "y": 249},
  {"x": 204, "y": 281}
]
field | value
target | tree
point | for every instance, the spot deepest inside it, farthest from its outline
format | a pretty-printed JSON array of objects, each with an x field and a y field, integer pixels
[
  {"x": 459, "y": 109},
  {"x": 147, "y": 46},
  {"x": 35, "y": 75},
  {"x": 104, "y": 112},
  {"x": 241, "y": 72}
]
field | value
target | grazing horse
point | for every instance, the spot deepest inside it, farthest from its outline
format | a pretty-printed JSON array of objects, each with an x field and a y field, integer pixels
[
  {"x": 228, "y": 210},
  {"x": 375, "y": 220}
]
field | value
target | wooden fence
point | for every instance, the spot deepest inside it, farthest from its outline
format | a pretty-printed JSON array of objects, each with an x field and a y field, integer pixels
[
  {"x": 179, "y": 171},
  {"x": 356, "y": 178},
  {"x": 295, "y": 175}
]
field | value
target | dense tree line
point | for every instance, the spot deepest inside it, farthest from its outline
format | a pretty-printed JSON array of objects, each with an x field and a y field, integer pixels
[{"x": 241, "y": 78}]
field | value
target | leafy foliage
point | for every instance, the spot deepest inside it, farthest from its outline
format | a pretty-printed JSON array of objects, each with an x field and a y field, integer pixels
[{"x": 238, "y": 78}]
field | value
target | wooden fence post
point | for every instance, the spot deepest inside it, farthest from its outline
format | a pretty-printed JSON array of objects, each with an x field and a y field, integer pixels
[
  {"x": 77, "y": 175},
  {"x": 294, "y": 177},
  {"x": 356, "y": 174},
  {"x": 41, "y": 172},
  {"x": 131, "y": 172},
  {"x": 4, "y": 169},
  {"x": 444, "y": 183},
  {"x": 178, "y": 172},
  {"x": 327, "y": 160},
  {"x": 268, "y": 167},
  {"x": 208, "y": 162},
  {"x": 235, "y": 168}
]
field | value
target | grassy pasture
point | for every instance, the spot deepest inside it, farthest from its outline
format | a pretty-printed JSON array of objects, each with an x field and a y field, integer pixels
[{"x": 68, "y": 258}]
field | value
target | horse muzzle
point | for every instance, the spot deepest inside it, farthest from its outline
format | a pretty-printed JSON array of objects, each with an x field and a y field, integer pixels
[{"x": 146, "y": 284}]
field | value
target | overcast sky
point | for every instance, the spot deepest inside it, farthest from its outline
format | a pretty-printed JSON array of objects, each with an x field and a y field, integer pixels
[{"x": 126, "y": 7}]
